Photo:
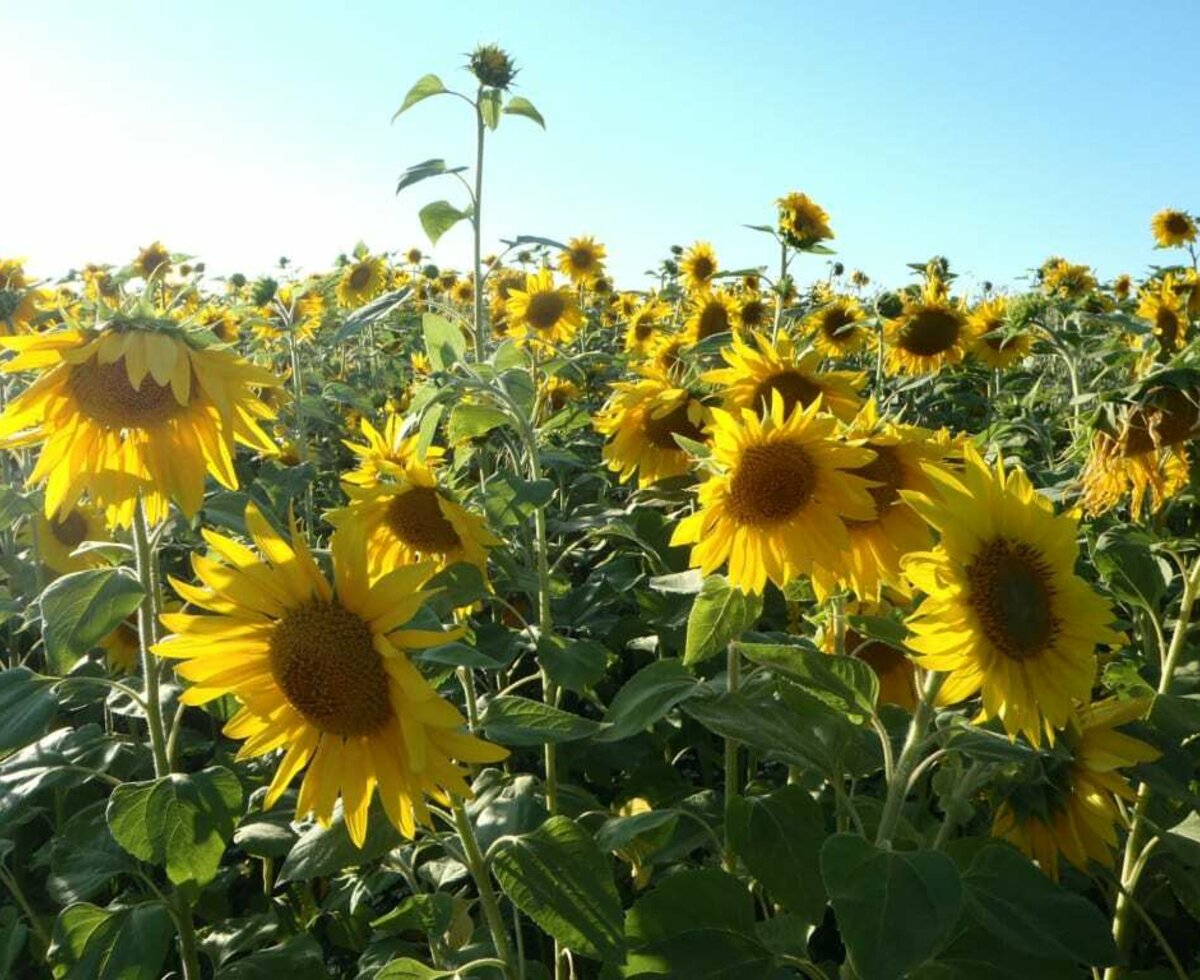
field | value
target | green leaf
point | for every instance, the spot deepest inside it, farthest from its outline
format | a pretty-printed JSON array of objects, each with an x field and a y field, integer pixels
[
  {"x": 1024, "y": 909},
  {"x": 518, "y": 106},
  {"x": 84, "y": 859},
  {"x": 426, "y": 86},
  {"x": 470, "y": 421},
  {"x": 975, "y": 954},
  {"x": 617, "y": 832},
  {"x": 324, "y": 851},
  {"x": 489, "y": 108},
  {"x": 646, "y": 697},
  {"x": 444, "y": 341},
  {"x": 180, "y": 821},
  {"x": 53, "y": 760},
  {"x": 431, "y": 914},
  {"x": 846, "y": 684},
  {"x": 512, "y": 720},
  {"x": 424, "y": 170},
  {"x": 13, "y": 936},
  {"x": 438, "y": 217},
  {"x": 82, "y": 608},
  {"x": 697, "y": 924},
  {"x": 720, "y": 613},
  {"x": 510, "y": 500},
  {"x": 573, "y": 664},
  {"x": 27, "y": 703},
  {"x": 130, "y": 943},
  {"x": 559, "y": 878},
  {"x": 779, "y": 838},
  {"x": 407, "y": 968},
  {"x": 894, "y": 909},
  {"x": 461, "y": 584},
  {"x": 299, "y": 957},
  {"x": 1123, "y": 558}
]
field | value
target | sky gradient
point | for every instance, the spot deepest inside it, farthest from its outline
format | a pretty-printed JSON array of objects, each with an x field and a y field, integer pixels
[{"x": 994, "y": 133}]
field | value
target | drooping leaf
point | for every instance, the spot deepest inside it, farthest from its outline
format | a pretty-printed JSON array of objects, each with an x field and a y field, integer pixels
[
  {"x": 27, "y": 703},
  {"x": 119, "y": 943},
  {"x": 646, "y": 697},
  {"x": 444, "y": 342},
  {"x": 438, "y": 217},
  {"x": 426, "y": 86},
  {"x": 489, "y": 108},
  {"x": 324, "y": 851},
  {"x": 424, "y": 170},
  {"x": 519, "y": 106},
  {"x": 719, "y": 614},
  {"x": 82, "y": 608},
  {"x": 846, "y": 684}
]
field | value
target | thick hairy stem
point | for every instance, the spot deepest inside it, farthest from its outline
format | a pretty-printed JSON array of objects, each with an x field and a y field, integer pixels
[
  {"x": 898, "y": 787},
  {"x": 476, "y": 226},
  {"x": 147, "y": 636},
  {"x": 733, "y": 785},
  {"x": 483, "y": 883}
]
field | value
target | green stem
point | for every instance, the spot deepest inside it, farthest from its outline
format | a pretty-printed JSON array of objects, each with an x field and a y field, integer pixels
[
  {"x": 965, "y": 787},
  {"x": 147, "y": 636},
  {"x": 301, "y": 430},
  {"x": 733, "y": 673},
  {"x": 1131, "y": 866},
  {"x": 898, "y": 787},
  {"x": 35, "y": 923},
  {"x": 476, "y": 227},
  {"x": 483, "y": 882},
  {"x": 187, "y": 938}
]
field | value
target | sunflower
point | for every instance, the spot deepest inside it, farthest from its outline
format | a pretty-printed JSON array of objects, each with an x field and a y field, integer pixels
[
  {"x": 152, "y": 258},
  {"x": 802, "y": 222},
  {"x": 414, "y": 256},
  {"x": 220, "y": 321},
  {"x": 836, "y": 328},
  {"x": 1072, "y": 805},
  {"x": 994, "y": 344},
  {"x": 582, "y": 261},
  {"x": 666, "y": 355},
  {"x": 1066, "y": 280},
  {"x": 294, "y": 311},
  {"x": 133, "y": 409},
  {"x": 1004, "y": 613},
  {"x": 896, "y": 672},
  {"x": 698, "y": 265},
  {"x": 122, "y": 647},
  {"x": 755, "y": 374},
  {"x": 930, "y": 332},
  {"x": 877, "y": 546},
  {"x": 641, "y": 419},
  {"x": 1162, "y": 305},
  {"x": 60, "y": 535},
  {"x": 778, "y": 506},
  {"x": 323, "y": 672},
  {"x": 387, "y": 455},
  {"x": 543, "y": 311},
  {"x": 556, "y": 394},
  {"x": 99, "y": 283},
  {"x": 753, "y": 311},
  {"x": 361, "y": 281},
  {"x": 1122, "y": 286},
  {"x": 413, "y": 519},
  {"x": 713, "y": 312},
  {"x": 1173, "y": 228},
  {"x": 643, "y": 324}
]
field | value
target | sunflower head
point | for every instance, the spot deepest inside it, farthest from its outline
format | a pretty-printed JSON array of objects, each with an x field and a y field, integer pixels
[
  {"x": 802, "y": 222},
  {"x": 151, "y": 259},
  {"x": 714, "y": 311},
  {"x": 543, "y": 312},
  {"x": 1172, "y": 228},
  {"x": 582, "y": 261},
  {"x": 698, "y": 266},
  {"x": 361, "y": 281},
  {"x": 492, "y": 66},
  {"x": 995, "y": 342},
  {"x": 930, "y": 332},
  {"x": 836, "y": 327},
  {"x": 1066, "y": 280},
  {"x": 1164, "y": 306}
]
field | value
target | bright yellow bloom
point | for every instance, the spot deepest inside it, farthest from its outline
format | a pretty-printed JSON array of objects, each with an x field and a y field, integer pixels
[
  {"x": 387, "y": 455},
  {"x": 323, "y": 672},
  {"x": 930, "y": 333},
  {"x": 643, "y": 324},
  {"x": 1172, "y": 228},
  {"x": 361, "y": 281},
  {"x": 994, "y": 344},
  {"x": 713, "y": 312},
  {"x": 802, "y": 222},
  {"x": 1004, "y": 613},
  {"x": 582, "y": 261},
  {"x": 542, "y": 311},
  {"x": 698, "y": 265},
  {"x": 836, "y": 328},
  {"x": 1162, "y": 305},
  {"x": 641, "y": 420},
  {"x": 1067, "y": 279}
]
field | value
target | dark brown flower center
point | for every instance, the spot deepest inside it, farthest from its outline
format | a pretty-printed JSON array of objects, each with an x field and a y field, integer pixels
[
  {"x": 104, "y": 394},
  {"x": 886, "y": 470},
  {"x": 545, "y": 310},
  {"x": 660, "y": 432},
  {"x": 793, "y": 386},
  {"x": 754, "y": 313},
  {"x": 1177, "y": 223},
  {"x": 1167, "y": 327},
  {"x": 360, "y": 276},
  {"x": 837, "y": 323},
  {"x": 1010, "y": 588},
  {"x": 772, "y": 482},
  {"x": 323, "y": 658},
  {"x": 714, "y": 319},
  {"x": 701, "y": 267},
  {"x": 930, "y": 332},
  {"x": 416, "y": 518},
  {"x": 70, "y": 530}
]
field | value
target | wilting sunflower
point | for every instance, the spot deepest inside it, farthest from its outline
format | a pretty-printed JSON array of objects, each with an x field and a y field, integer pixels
[
  {"x": 876, "y": 546},
  {"x": 387, "y": 455},
  {"x": 756, "y": 373},
  {"x": 802, "y": 222},
  {"x": 698, "y": 265},
  {"x": 930, "y": 332},
  {"x": 323, "y": 672},
  {"x": 1004, "y": 613},
  {"x": 994, "y": 343},
  {"x": 836, "y": 328},
  {"x": 133, "y": 409},
  {"x": 779, "y": 504},
  {"x": 641, "y": 420},
  {"x": 1173, "y": 228},
  {"x": 413, "y": 519},
  {"x": 58, "y": 536},
  {"x": 1162, "y": 305},
  {"x": 361, "y": 281},
  {"x": 151, "y": 259},
  {"x": 582, "y": 261},
  {"x": 543, "y": 311},
  {"x": 1071, "y": 804},
  {"x": 643, "y": 324},
  {"x": 713, "y": 312}
]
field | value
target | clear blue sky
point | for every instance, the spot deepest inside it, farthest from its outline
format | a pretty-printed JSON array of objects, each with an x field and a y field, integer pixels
[{"x": 995, "y": 133}]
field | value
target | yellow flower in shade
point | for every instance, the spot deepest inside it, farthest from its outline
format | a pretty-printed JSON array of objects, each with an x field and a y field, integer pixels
[
  {"x": 666, "y": 355},
  {"x": 463, "y": 291},
  {"x": 582, "y": 261},
  {"x": 644, "y": 322},
  {"x": 1067, "y": 279},
  {"x": 778, "y": 506},
  {"x": 220, "y": 321},
  {"x": 802, "y": 222},
  {"x": 930, "y": 332},
  {"x": 1004, "y": 613},
  {"x": 389, "y": 454},
  {"x": 411, "y": 520},
  {"x": 1162, "y": 305},
  {"x": 994, "y": 344},
  {"x": 292, "y": 311},
  {"x": 543, "y": 311},
  {"x": 151, "y": 259},
  {"x": 626, "y": 304},
  {"x": 698, "y": 265},
  {"x": 896, "y": 672},
  {"x": 556, "y": 394},
  {"x": 713, "y": 312},
  {"x": 122, "y": 647},
  {"x": 1122, "y": 286},
  {"x": 877, "y": 546},
  {"x": 753, "y": 311},
  {"x": 756, "y": 373},
  {"x": 836, "y": 328},
  {"x": 19, "y": 302},
  {"x": 1072, "y": 806},
  {"x": 132, "y": 409},
  {"x": 641, "y": 420},
  {"x": 1173, "y": 228},
  {"x": 58, "y": 536},
  {"x": 361, "y": 281},
  {"x": 323, "y": 672}
]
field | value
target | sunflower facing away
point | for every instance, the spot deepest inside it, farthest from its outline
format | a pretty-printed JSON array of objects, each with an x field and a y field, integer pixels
[
  {"x": 323, "y": 672},
  {"x": 755, "y": 373},
  {"x": 387, "y": 455},
  {"x": 995, "y": 344},
  {"x": 641, "y": 420},
  {"x": 1073, "y": 806},
  {"x": 132, "y": 409},
  {"x": 361, "y": 281},
  {"x": 1004, "y": 613},
  {"x": 698, "y": 265},
  {"x": 930, "y": 332},
  {"x": 1172, "y": 228},
  {"x": 802, "y": 221},
  {"x": 582, "y": 260},
  {"x": 543, "y": 311},
  {"x": 779, "y": 504},
  {"x": 836, "y": 328}
]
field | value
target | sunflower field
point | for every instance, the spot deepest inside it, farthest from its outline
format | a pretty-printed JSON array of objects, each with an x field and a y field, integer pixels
[{"x": 397, "y": 621}]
